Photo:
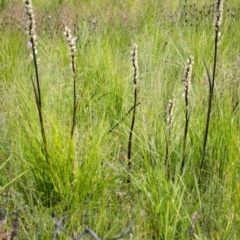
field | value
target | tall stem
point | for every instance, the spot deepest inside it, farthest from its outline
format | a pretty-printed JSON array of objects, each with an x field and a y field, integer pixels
[
  {"x": 36, "y": 86},
  {"x": 135, "y": 82},
  {"x": 211, "y": 80}
]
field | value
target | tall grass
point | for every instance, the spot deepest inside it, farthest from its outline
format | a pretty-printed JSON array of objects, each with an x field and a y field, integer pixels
[{"x": 83, "y": 180}]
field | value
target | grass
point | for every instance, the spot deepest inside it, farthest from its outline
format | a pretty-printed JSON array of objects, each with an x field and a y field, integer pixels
[{"x": 87, "y": 172}]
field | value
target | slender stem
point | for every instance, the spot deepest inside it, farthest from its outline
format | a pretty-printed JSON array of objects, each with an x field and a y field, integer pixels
[
  {"x": 75, "y": 103},
  {"x": 72, "y": 48},
  {"x": 211, "y": 93},
  {"x": 135, "y": 82},
  {"x": 166, "y": 150},
  {"x": 187, "y": 118},
  {"x": 131, "y": 130},
  {"x": 36, "y": 85},
  {"x": 218, "y": 21},
  {"x": 38, "y": 97},
  {"x": 187, "y": 83},
  {"x": 167, "y": 147},
  {"x": 169, "y": 121}
]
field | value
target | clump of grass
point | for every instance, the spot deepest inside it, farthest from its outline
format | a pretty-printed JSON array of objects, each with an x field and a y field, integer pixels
[{"x": 47, "y": 171}]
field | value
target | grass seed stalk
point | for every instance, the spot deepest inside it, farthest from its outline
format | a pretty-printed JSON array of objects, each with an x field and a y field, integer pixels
[{"x": 212, "y": 79}]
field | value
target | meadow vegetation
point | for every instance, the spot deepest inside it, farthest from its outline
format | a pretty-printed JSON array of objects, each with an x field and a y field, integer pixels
[{"x": 108, "y": 137}]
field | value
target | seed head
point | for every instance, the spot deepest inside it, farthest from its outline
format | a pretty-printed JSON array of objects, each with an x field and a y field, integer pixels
[
  {"x": 218, "y": 14},
  {"x": 170, "y": 109},
  {"x": 31, "y": 26},
  {"x": 31, "y": 19},
  {"x": 187, "y": 78},
  {"x": 134, "y": 58},
  {"x": 72, "y": 47}
]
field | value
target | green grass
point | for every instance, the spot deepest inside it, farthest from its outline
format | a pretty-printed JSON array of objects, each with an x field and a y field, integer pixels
[{"x": 86, "y": 177}]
